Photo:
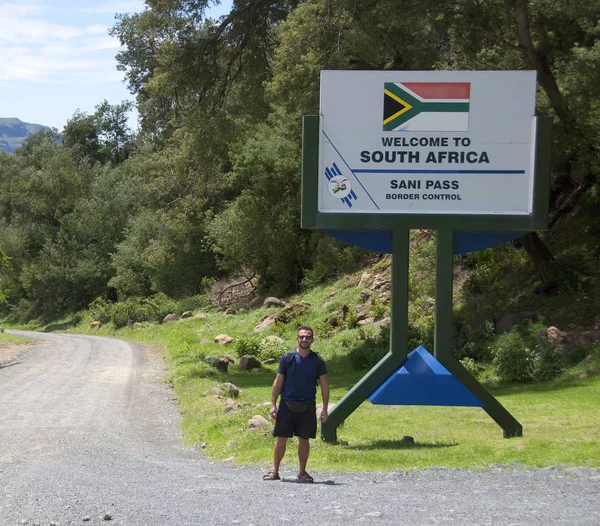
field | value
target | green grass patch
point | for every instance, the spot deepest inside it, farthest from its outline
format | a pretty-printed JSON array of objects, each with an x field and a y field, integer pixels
[{"x": 561, "y": 424}]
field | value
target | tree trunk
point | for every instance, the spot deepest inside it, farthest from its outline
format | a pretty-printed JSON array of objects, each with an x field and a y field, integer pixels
[{"x": 541, "y": 257}]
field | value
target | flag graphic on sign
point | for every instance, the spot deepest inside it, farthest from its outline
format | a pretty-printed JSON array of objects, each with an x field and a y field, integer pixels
[{"x": 426, "y": 106}]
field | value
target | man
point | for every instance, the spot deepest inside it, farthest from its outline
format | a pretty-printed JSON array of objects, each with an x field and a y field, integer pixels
[{"x": 296, "y": 416}]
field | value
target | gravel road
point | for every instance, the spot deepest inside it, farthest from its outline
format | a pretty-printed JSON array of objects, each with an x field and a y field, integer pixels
[{"x": 87, "y": 428}]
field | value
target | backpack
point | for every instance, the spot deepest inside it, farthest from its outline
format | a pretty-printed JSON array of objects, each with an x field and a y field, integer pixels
[{"x": 289, "y": 360}]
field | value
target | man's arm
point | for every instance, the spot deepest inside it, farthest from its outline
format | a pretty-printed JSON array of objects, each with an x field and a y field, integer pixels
[
  {"x": 275, "y": 392},
  {"x": 324, "y": 379}
]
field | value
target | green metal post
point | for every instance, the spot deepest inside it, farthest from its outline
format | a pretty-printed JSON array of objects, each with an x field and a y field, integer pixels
[
  {"x": 443, "y": 338},
  {"x": 398, "y": 343}
]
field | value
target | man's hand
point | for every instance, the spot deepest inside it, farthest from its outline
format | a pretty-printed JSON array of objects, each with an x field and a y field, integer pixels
[
  {"x": 323, "y": 417},
  {"x": 273, "y": 411}
]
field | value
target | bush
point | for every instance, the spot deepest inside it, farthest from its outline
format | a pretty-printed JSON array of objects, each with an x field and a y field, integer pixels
[
  {"x": 471, "y": 366},
  {"x": 247, "y": 345},
  {"x": 370, "y": 349},
  {"x": 158, "y": 306},
  {"x": 128, "y": 312},
  {"x": 100, "y": 309},
  {"x": 525, "y": 355},
  {"x": 199, "y": 301},
  {"x": 271, "y": 349}
]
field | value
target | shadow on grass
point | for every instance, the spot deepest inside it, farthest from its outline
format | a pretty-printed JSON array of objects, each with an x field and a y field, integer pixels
[{"x": 397, "y": 444}]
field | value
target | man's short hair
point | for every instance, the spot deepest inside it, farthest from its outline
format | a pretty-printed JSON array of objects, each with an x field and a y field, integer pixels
[{"x": 305, "y": 328}]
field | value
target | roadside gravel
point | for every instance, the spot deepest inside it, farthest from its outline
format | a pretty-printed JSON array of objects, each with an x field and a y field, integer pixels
[{"x": 87, "y": 428}]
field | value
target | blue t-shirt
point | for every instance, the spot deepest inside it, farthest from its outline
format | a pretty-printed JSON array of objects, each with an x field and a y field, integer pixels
[{"x": 300, "y": 378}]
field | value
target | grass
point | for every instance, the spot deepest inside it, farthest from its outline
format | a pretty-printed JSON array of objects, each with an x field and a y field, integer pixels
[
  {"x": 561, "y": 423},
  {"x": 560, "y": 419}
]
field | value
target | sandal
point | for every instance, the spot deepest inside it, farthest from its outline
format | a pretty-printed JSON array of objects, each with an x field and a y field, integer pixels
[
  {"x": 305, "y": 477},
  {"x": 271, "y": 475}
]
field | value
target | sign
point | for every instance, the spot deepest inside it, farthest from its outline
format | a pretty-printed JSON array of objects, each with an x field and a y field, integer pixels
[{"x": 427, "y": 142}]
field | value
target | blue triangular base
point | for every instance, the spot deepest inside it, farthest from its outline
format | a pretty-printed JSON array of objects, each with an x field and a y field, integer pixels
[{"x": 422, "y": 380}]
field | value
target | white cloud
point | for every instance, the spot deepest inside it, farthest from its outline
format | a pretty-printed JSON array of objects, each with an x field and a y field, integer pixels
[{"x": 57, "y": 43}]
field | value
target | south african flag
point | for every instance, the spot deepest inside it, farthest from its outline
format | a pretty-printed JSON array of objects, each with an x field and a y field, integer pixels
[{"x": 426, "y": 106}]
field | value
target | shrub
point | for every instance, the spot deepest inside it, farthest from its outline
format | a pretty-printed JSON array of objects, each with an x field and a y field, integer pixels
[
  {"x": 247, "y": 345},
  {"x": 158, "y": 306},
  {"x": 272, "y": 349},
  {"x": 524, "y": 354},
  {"x": 370, "y": 350},
  {"x": 100, "y": 309},
  {"x": 471, "y": 366},
  {"x": 128, "y": 312},
  {"x": 199, "y": 301}
]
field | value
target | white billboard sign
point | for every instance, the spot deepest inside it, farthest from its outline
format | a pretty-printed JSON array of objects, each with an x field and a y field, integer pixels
[{"x": 430, "y": 142}]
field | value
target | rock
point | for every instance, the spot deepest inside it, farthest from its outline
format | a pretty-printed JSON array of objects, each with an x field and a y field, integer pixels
[
  {"x": 95, "y": 324},
  {"x": 555, "y": 335},
  {"x": 291, "y": 311},
  {"x": 87, "y": 518},
  {"x": 507, "y": 322},
  {"x": 365, "y": 295},
  {"x": 215, "y": 391},
  {"x": 137, "y": 325},
  {"x": 384, "y": 322},
  {"x": 230, "y": 405},
  {"x": 200, "y": 316},
  {"x": 204, "y": 445},
  {"x": 365, "y": 321},
  {"x": 170, "y": 317},
  {"x": 229, "y": 389},
  {"x": 220, "y": 363},
  {"x": 187, "y": 314},
  {"x": 258, "y": 422},
  {"x": 229, "y": 311},
  {"x": 579, "y": 339},
  {"x": 364, "y": 279},
  {"x": 224, "y": 339},
  {"x": 227, "y": 358},
  {"x": 407, "y": 441},
  {"x": 204, "y": 341},
  {"x": 108, "y": 516},
  {"x": 273, "y": 302},
  {"x": 248, "y": 362},
  {"x": 265, "y": 321},
  {"x": 256, "y": 370}
]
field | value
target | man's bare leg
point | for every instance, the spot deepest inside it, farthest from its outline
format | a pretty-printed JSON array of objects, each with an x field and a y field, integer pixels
[
  {"x": 279, "y": 452},
  {"x": 303, "y": 452}
]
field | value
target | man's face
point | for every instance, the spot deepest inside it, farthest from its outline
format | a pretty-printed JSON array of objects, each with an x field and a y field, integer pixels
[{"x": 304, "y": 338}]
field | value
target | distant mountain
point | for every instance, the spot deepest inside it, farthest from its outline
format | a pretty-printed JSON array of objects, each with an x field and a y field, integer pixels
[{"x": 14, "y": 131}]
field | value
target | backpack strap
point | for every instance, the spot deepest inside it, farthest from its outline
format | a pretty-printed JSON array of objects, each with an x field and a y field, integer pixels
[{"x": 289, "y": 359}]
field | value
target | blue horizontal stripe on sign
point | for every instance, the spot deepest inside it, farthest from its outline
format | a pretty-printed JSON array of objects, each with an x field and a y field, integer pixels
[{"x": 367, "y": 171}]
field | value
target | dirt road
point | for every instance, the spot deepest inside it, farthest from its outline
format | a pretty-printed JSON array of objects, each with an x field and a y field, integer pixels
[{"x": 87, "y": 428}]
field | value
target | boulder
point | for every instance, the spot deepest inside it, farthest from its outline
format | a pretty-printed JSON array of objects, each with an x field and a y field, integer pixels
[
  {"x": 200, "y": 316},
  {"x": 224, "y": 339},
  {"x": 265, "y": 321},
  {"x": 219, "y": 363},
  {"x": 273, "y": 302},
  {"x": 231, "y": 390},
  {"x": 555, "y": 335},
  {"x": 258, "y": 422},
  {"x": 187, "y": 314},
  {"x": 248, "y": 362},
  {"x": 170, "y": 317},
  {"x": 95, "y": 324}
]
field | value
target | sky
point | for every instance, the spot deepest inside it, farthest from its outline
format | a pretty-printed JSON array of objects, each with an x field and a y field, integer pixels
[{"x": 56, "y": 57}]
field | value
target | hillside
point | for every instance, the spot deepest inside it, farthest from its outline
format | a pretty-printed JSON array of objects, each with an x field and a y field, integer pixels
[{"x": 14, "y": 131}]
